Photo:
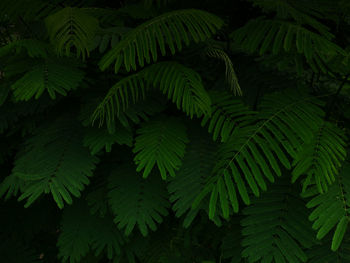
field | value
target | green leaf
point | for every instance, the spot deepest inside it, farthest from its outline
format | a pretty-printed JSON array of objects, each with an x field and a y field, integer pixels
[
  {"x": 71, "y": 27},
  {"x": 321, "y": 157},
  {"x": 160, "y": 142},
  {"x": 51, "y": 76},
  {"x": 99, "y": 139},
  {"x": 275, "y": 226},
  {"x": 145, "y": 39},
  {"x": 330, "y": 208},
  {"x": 339, "y": 233},
  {"x": 182, "y": 85},
  {"x": 146, "y": 200},
  {"x": 54, "y": 160},
  {"x": 261, "y": 142},
  {"x": 191, "y": 178}
]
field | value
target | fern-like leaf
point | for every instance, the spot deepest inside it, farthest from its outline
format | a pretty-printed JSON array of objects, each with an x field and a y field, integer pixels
[
  {"x": 54, "y": 160},
  {"x": 252, "y": 154},
  {"x": 321, "y": 253},
  {"x": 231, "y": 77},
  {"x": 99, "y": 139},
  {"x": 275, "y": 227},
  {"x": 168, "y": 30},
  {"x": 130, "y": 89},
  {"x": 50, "y": 76},
  {"x": 135, "y": 200},
  {"x": 160, "y": 142},
  {"x": 321, "y": 159},
  {"x": 190, "y": 180},
  {"x": 300, "y": 11},
  {"x": 82, "y": 232},
  {"x": 262, "y": 35},
  {"x": 74, "y": 239},
  {"x": 330, "y": 210},
  {"x": 181, "y": 84},
  {"x": 71, "y": 27},
  {"x": 228, "y": 114},
  {"x": 231, "y": 247}
]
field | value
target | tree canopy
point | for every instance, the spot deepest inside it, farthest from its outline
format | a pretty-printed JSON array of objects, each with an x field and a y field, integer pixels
[{"x": 175, "y": 131}]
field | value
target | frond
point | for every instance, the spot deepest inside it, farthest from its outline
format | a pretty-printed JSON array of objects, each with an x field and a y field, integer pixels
[
  {"x": 181, "y": 84},
  {"x": 11, "y": 186},
  {"x": 190, "y": 180},
  {"x": 231, "y": 78},
  {"x": 142, "y": 111},
  {"x": 321, "y": 159},
  {"x": 135, "y": 200},
  {"x": 75, "y": 233},
  {"x": 275, "y": 226},
  {"x": 107, "y": 38},
  {"x": 162, "y": 142},
  {"x": 253, "y": 153},
  {"x": 128, "y": 90},
  {"x": 264, "y": 36},
  {"x": 100, "y": 139},
  {"x": 107, "y": 238},
  {"x": 54, "y": 160},
  {"x": 134, "y": 114},
  {"x": 167, "y": 30},
  {"x": 300, "y": 11},
  {"x": 321, "y": 253},
  {"x": 228, "y": 113},
  {"x": 97, "y": 200},
  {"x": 330, "y": 210},
  {"x": 81, "y": 232},
  {"x": 71, "y": 27},
  {"x": 50, "y": 76}
]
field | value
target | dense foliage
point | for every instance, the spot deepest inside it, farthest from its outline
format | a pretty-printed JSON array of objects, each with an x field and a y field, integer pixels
[{"x": 175, "y": 131}]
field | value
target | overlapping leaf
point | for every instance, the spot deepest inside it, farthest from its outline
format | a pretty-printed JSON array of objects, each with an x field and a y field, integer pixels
[
  {"x": 181, "y": 84},
  {"x": 82, "y": 232},
  {"x": 71, "y": 27},
  {"x": 231, "y": 77},
  {"x": 228, "y": 113},
  {"x": 321, "y": 253},
  {"x": 272, "y": 36},
  {"x": 99, "y": 139},
  {"x": 167, "y": 31},
  {"x": 53, "y": 161},
  {"x": 137, "y": 201},
  {"x": 330, "y": 210},
  {"x": 196, "y": 168},
  {"x": 275, "y": 227},
  {"x": 321, "y": 159},
  {"x": 160, "y": 142},
  {"x": 47, "y": 76},
  {"x": 254, "y": 152}
]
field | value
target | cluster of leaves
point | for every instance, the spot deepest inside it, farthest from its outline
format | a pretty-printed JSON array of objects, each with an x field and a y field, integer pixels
[{"x": 174, "y": 131}]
